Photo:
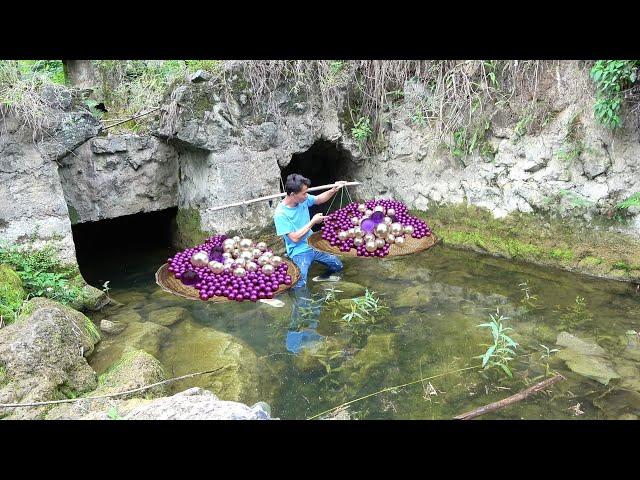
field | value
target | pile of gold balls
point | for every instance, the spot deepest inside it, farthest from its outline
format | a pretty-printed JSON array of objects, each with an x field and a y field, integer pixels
[
  {"x": 237, "y": 268},
  {"x": 372, "y": 227}
]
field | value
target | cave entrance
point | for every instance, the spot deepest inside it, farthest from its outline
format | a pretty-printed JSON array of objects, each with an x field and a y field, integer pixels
[
  {"x": 126, "y": 251},
  {"x": 324, "y": 163}
]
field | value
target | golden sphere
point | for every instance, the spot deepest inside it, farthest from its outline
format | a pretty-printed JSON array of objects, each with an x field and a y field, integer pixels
[
  {"x": 251, "y": 266},
  {"x": 379, "y": 242},
  {"x": 362, "y": 207},
  {"x": 381, "y": 230},
  {"x": 370, "y": 246},
  {"x": 267, "y": 269},
  {"x": 262, "y": 246},
  {"x": 391, "y": 212},
  {"x": 396, "y": 228},
  {"x": 216, "y": 267},
  {"x": 391, "y": 238},
  {"x": 358, "y": 241},
  {"x": 342, "y": 235},
  {"x": 408, "y": 229},
  {"x": 399, "y": 240},
  {"x": 387, "y": 221},
  {"x": 246, "y": 243},
  {"x": 276, "y": 261},
  {"x": 239, "y": 272}
]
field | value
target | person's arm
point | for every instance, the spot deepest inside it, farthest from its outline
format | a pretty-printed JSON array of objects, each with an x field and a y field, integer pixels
[
  {"x": 323, "y": 197},
  {"x": 297, "y": 235}
]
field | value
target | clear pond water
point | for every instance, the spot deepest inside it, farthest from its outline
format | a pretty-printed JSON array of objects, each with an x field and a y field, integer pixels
[{"x": 307, "y": 363}]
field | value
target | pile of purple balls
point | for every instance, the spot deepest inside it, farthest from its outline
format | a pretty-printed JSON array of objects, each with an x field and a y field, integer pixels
[
  {"x": 236, "y": 268},
  {"x": 372, "y": 227}
]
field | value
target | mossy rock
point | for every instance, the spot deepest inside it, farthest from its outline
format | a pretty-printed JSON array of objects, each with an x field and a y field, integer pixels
[
  {"x": 544, "y": 333},
  {"x": 410, "y": 297},
  {"x": 136, "y": 368},
  {"x": 127, "y": 315},
  {"x": 618, "y": 403},
  {"x": 93, "y": 299},
  {"x": 365, "y": 364},
  {"x": 574, "y": 343},
  {"x": 129, "y": 297},
  {"x": 346, "y": 289},
  {"x": 595, "y": 368},
  {"x": 12, "y": 293},
  {"x": 188, "y": 232},
  {"x": 168, "y": 316},
  {"x": 195, "y": 348},
  {"x": 144, "y": 336}
]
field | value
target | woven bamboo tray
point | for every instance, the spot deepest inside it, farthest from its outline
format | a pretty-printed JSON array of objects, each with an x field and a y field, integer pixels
[
  {"x": 170, "y": 284},
  {"x": 411, "y": 245}
]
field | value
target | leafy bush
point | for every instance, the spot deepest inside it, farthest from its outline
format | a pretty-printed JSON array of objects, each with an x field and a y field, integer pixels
[
  {"x": 612, "y": 77},
  {"x": 362, "y": 130},
  {"x": 500, "y": 353}
]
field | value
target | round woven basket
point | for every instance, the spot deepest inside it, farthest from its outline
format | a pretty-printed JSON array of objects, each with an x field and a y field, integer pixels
[
  {"x": 171, "y": 284},
  {"x": 411, "y": 245}
]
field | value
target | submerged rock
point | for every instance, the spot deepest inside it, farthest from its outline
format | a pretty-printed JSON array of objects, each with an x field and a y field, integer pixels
[
  {"x": 168, "y": 316},
  {"x": 366, "y": 363},
  {"x": 596, "y": 368},
  {"x": 126, "y": 315},
  {"x": 129, "y": 297},
  {"x": 618, "y": 403},
  {"x": 195, "y": 348},
  {"x": 580, "y": 346},
  {"x": 346, "y": 289},
  {"x": 112, "y": 328},
  {"x": 42, "y": 355}
]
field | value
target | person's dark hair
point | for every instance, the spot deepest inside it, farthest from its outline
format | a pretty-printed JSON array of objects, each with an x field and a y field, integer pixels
[{"x": 294, "y": 183}]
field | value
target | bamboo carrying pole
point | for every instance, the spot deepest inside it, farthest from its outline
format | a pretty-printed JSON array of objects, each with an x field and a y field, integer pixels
[
  {"x": 509, "y": 400},
  {"x": 278, "y": 195}
]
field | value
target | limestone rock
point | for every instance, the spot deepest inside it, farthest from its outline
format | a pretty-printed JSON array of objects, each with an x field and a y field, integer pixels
[
  {"x": 43, "y": 356},
  {"x": 112, "y": 328},
  {"x": 580, "y": 346},
  {"x": 596, "y": 368},
  {"x": 168, "y": 316}
]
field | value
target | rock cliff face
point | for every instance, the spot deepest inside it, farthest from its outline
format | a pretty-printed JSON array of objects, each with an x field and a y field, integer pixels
[{"x": 214, "y": 150}]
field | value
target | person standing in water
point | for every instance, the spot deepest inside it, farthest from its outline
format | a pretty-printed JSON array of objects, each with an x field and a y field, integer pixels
[{"x": 292, "y": 222}]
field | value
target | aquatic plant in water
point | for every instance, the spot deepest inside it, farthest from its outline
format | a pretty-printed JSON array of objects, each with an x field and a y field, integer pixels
[
  {"x": 501, "y": 352},
  {"x": 575, "y": 315}
]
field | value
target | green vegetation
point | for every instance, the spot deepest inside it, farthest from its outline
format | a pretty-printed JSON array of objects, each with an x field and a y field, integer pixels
[
  {"x": 42, "y": 275},
  {"x": 500, "y": 353},
  {"x": 361, "y": 131},
  {"x": 539, "y": 238},
  {"x": 188, "y": 229},
  {"x": 576, "y": 315},
  {"x": 613, "y": 79}
]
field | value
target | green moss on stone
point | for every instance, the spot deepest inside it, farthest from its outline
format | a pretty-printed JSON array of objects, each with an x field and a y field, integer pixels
[
  {"x": 73, "y": 214},
  {"x": 12, "y": 293},
  {"x": 188, "y": 228},
  {"x": 538, "y": 238}
]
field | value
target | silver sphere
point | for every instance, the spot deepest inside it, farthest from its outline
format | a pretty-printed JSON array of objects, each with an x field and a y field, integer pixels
[
  {"x": 239, "y": 272},
  {"x": 262, "y": 260},
  {"x": 381, "y": 230},
  {"x": 262, "y": 246},
  {"x": 342, "y": 235},
  {"x": 355, "y": 221},
  {"x": 239, "y": 262},
  {"x": 370, "y": 246},
  {"x": 378, "y": 208},
  {"x": 236, "y": 239},
  {"x": 216, "y": 267},
  {"x": 391, "y": 239},
  {"x": 246, "y": 243},
  {"x": 200, "y": 259},
  {"x": 368, "y": 212},
  {"x": 399, "y": 240},
  {"x": 351, "y": 233},
  {"x": 358, "y": 241},
  {"x": 396, "y": 228},
  {"x": 267, "y": 269},
  {"x": 362, "y": 207},
  {"x": 228, "y": 262},
  {"x": 391, "y": 212},
  {"x": 227, "y": 255},
  {"x": 228, "y": 248},
  {"x": 276, "y": 261},
  {"x": 256, "y": 252},
  {"x": 369, "y": 237},
  {"x": 251, "y": 266},
  {"x": 408, "y": 229},
  {"x": 357, "y": 231},
  {"x": 387, "y": 221},
  {"x": 379, "y": 242},
  {"x": 268, "y": 255},
  {"x": 236, "y": 253},
  {"x": 230, "y": 242},
  {"x": 246, "y": 255}
]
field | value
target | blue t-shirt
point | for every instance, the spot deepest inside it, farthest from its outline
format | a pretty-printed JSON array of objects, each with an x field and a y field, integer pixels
[{"x": 292, "y": 219}]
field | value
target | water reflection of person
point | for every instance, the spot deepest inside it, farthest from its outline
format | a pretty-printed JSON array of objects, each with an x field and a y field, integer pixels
[{"x": 305, "y": 313}]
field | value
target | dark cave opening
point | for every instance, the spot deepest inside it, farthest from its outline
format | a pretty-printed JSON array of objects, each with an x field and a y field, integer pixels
[{"x": 114, "y": 249}]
